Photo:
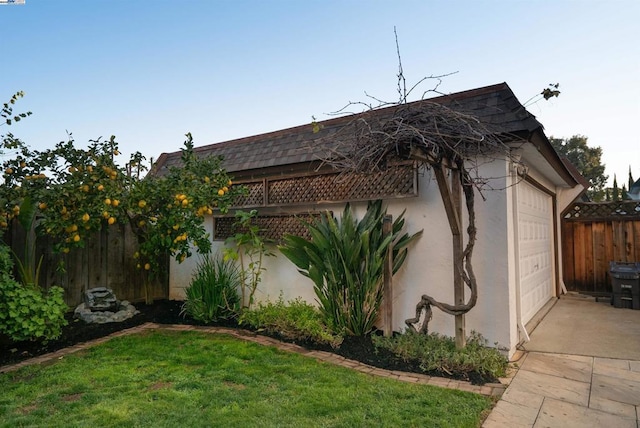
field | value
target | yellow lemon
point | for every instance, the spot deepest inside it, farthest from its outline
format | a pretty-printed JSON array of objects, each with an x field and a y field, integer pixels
[
  {"x": 220, "y": 192},
  {"x": 142, "y": 204},
  {"x": 107, "y": 201},
  {"x": 147, "y": 266},
  {"x": 85, "y": 217},
  {"x": 111, "y": 220},
  {"x": 76, "y": 238},
  {"x": 101, "y": 187},
  {"x": 115, "y": 202}
]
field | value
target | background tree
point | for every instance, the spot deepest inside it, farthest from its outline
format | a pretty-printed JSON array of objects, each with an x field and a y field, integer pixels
[
  {"x": 587, "y": 160},
  {"x": 616, "y": 192}
]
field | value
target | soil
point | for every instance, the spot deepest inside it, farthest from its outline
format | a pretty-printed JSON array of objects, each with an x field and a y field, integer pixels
[{"x": 168, "y": 312}]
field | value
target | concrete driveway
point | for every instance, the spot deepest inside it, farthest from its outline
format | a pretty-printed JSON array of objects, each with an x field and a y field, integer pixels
[{"x": 580, "y": 369}]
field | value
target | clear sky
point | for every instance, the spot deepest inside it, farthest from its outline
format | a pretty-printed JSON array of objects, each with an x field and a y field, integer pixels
[{"x": 150, "y": 71}]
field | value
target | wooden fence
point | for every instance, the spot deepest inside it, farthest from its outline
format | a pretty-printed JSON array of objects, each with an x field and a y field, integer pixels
[
  {"x": 106, "y": 261},
  {"x": 594, "y": 234}
]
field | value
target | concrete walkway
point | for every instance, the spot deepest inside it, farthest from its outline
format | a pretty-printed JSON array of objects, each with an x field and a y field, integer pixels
[{"x": 580, "y": 369}]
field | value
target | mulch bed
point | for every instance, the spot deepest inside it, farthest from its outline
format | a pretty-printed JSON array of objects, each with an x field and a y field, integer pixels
[{"x": 168, "y": 312}]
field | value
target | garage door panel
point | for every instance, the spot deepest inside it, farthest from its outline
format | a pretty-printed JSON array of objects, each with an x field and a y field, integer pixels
[{"x": 535, "y": 249}]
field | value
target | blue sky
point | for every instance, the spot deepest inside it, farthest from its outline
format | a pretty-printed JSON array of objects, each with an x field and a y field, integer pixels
[{"x": 150, "y": 71}]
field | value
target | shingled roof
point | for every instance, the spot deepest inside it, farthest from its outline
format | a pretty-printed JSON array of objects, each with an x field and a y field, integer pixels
[{"x": 496, "y": 106}]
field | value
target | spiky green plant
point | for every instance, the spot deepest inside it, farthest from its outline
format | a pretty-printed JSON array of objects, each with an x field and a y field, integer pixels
[
  {"x": 345, "y": 261},
  {"x": 212, "y": 294}
]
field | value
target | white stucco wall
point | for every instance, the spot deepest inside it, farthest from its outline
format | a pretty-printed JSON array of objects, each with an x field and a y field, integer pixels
[{"x": 428, "y": 268}]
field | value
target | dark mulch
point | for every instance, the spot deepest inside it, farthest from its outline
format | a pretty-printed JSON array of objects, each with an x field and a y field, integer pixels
[{"x": 168, "y": 312}]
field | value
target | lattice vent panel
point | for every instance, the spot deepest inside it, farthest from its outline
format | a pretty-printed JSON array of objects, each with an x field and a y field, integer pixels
[
  {"x": 254, "y": 197},
  {"x": 343, "y": 187},
  {"x": 271, "y": 227}
]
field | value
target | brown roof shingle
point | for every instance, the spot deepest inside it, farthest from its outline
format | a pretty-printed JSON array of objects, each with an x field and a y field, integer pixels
[{"x": 496, "y": 106}]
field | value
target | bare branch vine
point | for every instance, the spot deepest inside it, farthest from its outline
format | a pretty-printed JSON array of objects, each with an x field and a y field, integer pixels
[{"x": 433, "y": 135}]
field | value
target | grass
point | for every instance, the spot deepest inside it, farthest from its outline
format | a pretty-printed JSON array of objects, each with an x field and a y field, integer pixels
[{"x": 168, "y": 379}]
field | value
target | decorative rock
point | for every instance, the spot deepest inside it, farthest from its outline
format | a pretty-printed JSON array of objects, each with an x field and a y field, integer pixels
[
  {"x": 100, "y": 299},
  {"x": 122, "y": 311}
]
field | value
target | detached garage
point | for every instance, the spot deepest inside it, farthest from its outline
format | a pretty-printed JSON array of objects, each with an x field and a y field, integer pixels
[{"x": 516, "y": 254}]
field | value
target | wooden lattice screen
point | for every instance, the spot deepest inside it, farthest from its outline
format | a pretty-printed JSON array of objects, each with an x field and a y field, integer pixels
[
  {"x": 594, "y": 234},
  {"x": 273, "y": 227},
  {"x": 397, "y": 182},
  {"x": 590, "y": 211}
]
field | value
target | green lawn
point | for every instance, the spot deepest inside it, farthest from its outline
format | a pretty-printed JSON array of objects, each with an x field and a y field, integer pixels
[{"x": 191, "y": 379}]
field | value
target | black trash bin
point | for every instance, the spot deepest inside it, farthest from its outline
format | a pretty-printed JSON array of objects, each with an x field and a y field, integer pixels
[{"x": 625, "y": 282}]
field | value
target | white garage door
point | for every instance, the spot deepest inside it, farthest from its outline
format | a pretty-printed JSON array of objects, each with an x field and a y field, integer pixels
[{"x": 535, "y": 235}]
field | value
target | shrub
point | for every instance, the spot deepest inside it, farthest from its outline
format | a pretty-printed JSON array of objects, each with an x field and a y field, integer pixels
[
  {"x": 29, "y": 313},
  {"x": 345, "y": 261},
  {"x": 212, "y": 294},
  {"x": 249, "y": 248},
  {"x": 295, "y": 320},
  {"x": 6, "y": 263},
  {"x": 26, "y": 311},
  {"x": 436, "y": 352}
]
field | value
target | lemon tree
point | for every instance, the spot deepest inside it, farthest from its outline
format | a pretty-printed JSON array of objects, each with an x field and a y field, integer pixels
[
  {"x": 167, "y": 210},
  {"x": 76, "y": 192}
]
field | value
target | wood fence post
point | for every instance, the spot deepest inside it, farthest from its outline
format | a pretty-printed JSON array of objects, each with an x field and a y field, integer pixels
[
  {"x": 387, "y": 280},
  {"x": 458, "y": 284}
]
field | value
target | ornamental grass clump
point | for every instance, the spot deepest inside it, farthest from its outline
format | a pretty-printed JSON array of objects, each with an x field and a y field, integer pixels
[
  {"x": 345, "y": 261},
  {"x": 212, "y": 294}
]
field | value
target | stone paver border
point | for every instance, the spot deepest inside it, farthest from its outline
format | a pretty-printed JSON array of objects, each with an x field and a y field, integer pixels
[{"x": 490, "y": 389}]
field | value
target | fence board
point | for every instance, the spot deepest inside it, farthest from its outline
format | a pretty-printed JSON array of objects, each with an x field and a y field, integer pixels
[
  {"x": 600, "y": 263},
  {"x": 107, "y": 261},
  {"x": 567, "y": 248},
  {"x": 579, "y": 258},
  {"x": 94, "y": 265},
  {"x": 629, "y": 251},
  {"x": 636, "y": 235},
  {"x": 592, "y": 236}
]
